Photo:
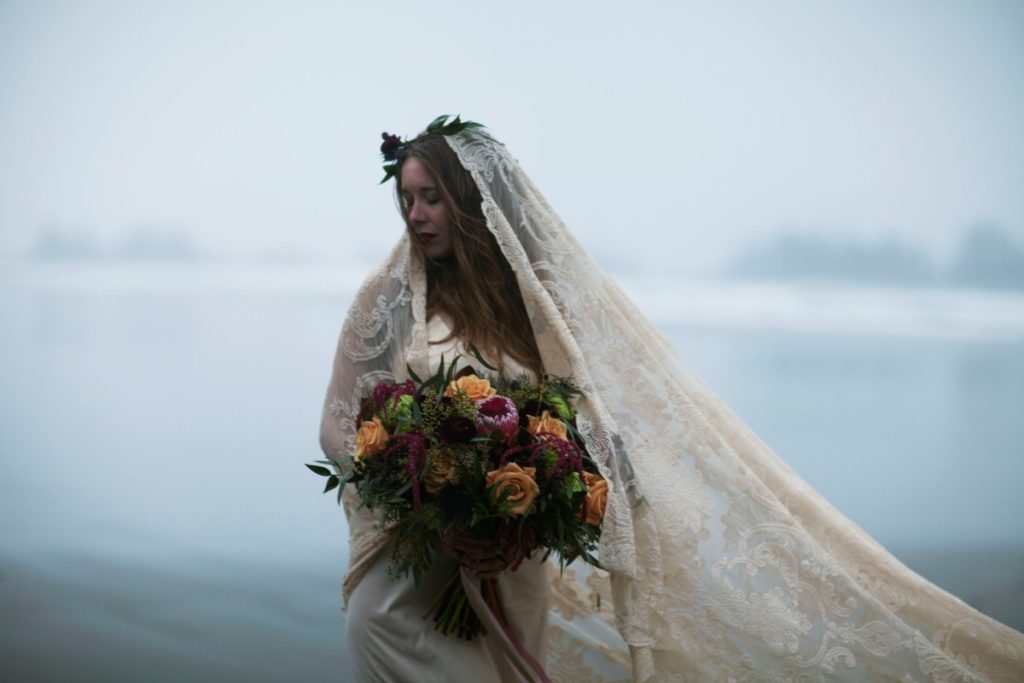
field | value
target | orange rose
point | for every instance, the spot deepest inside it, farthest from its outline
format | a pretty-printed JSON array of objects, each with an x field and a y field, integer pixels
[
  {"x": 472, "y": 386},
  {"x": 371, "y": 438},
  {"x": 546, "y": 423},
  {"x": 439, "y": 471},
  {"x": 597, "y": 498},
  {"x": 520, "y": 483}
]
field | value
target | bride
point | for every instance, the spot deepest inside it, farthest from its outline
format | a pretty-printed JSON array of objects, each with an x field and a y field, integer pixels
[{"x": 718, "y": 562}]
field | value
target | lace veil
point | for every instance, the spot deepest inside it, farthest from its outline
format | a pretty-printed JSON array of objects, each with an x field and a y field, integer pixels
[{"x": 722, "y": 564}]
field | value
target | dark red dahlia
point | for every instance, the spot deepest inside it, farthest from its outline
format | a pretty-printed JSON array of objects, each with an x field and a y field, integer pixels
[
  {"x": 389, "y": 148},
  {"x": 457, "y": 429}
]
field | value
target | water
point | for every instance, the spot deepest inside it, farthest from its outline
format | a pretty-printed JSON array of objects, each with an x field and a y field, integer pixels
[{"x": 158, "y": 524}]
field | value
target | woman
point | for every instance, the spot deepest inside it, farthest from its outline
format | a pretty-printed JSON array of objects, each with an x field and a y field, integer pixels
[
  {"x": 471, "y": 295},
  {"x": 724, "y": 565}
]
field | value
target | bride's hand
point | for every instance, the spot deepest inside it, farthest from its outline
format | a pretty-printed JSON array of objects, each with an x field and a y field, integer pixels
[{"x": 481, "y": 557}]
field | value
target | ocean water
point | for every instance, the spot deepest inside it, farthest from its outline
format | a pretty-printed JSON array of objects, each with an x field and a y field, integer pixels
[{"x": 158, "y": 523}]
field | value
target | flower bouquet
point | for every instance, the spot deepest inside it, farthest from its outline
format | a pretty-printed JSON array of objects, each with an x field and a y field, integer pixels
[{"x": 499, "y": 460}]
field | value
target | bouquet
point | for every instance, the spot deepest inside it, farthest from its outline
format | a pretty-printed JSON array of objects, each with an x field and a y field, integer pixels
[{"x": 462, "y": 453}]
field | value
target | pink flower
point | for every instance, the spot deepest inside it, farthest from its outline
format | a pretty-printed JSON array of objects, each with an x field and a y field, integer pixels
[{"x": 497, "y": 412}]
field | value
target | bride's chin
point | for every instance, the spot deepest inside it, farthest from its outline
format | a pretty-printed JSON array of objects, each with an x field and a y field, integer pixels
[{"x": 435, "y": 257}]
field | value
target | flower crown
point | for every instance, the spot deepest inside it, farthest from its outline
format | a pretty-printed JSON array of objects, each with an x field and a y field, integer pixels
[{"x": 393, "y": 148}]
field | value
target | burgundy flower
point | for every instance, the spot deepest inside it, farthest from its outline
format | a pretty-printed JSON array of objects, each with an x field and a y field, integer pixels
[
  {"x": 457, "y": 429},
  {"x": 386, "y": 390},
  {"x": 415, "y": 446},
  {"x": 390, "y": 147},
  {"x": 498, "y": 412},
  {"x": 406, "y": 388},
  {"x": 516, "y": 542},
  {"x": 567, "y": 456}
]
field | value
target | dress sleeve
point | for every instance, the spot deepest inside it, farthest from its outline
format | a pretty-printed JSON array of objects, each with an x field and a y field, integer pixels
[{"x": 370, "y": 348}]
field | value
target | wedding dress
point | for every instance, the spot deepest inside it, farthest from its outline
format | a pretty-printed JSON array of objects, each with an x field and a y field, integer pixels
[
  {"x": 720, "y": 563},
  {"x": 390, "y": 640}
]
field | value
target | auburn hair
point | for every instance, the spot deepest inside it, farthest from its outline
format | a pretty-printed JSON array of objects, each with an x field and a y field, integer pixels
[{"x": 475, "y": 287}]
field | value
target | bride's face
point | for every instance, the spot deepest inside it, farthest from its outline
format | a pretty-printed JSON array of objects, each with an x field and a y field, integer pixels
[{"x": 427, "y": 214}]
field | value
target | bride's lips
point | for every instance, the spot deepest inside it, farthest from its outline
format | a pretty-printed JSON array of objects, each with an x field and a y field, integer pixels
[{"x": 425, "y": 237}]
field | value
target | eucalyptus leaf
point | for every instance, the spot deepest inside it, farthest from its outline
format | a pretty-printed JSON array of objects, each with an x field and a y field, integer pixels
[
  {"x": 412, "y": 374},
  {"x": 322, "y": 471},
  {"x": 430, "y": 383},
  {"x": 451, "y": 368},
  {"x": 476, "y": 352}
]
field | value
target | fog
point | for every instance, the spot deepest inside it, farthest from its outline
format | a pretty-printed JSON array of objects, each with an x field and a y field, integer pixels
[
  {"x": 667, "y": 135},
  {"x": 819, "y": 205}
]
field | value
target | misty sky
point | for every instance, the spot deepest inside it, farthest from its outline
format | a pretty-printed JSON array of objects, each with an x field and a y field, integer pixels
[{"x": 668, "y": 133}]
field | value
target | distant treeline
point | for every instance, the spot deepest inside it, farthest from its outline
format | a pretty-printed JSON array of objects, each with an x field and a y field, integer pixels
[
  {"x": 986, "y": 257},
  {"x": 142, "y": 243}
]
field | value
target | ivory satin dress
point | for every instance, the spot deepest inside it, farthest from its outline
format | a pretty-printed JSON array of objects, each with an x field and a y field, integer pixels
[{"x": 390, "y": 640}]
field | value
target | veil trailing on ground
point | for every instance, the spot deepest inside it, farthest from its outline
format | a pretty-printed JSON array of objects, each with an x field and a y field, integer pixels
[{"x": 722, "y": 564}]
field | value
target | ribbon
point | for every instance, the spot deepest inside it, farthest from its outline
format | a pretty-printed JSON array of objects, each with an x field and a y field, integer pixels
[{"x": 495, "y": 621}]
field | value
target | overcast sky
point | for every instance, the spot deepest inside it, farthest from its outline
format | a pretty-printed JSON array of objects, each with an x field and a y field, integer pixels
[{"x": 670, "y": 132}]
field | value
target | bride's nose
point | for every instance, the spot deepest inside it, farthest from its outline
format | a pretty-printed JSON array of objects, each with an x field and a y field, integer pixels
[{"x": 416, "y": 213}]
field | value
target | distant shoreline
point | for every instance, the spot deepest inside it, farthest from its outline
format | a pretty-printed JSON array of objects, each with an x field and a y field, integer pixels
[{"x": 722, "y": 303}]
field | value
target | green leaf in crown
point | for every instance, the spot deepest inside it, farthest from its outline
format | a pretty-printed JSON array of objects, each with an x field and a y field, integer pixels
[{"x": 393, "y": 148}]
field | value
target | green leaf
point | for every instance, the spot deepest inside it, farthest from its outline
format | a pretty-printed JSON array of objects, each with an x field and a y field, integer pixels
[
  {"x": 451, "y": 368},
  {"x": 332, "y": 481},
  {"x": 434, "y": 380},
  {"x": 412, "y": 374},
  {"x": 322, "y": 471},
  {"x": 436, "y": 123},
  {"x": 572, "y": 433},
  {"x": 476, "y": 352}
]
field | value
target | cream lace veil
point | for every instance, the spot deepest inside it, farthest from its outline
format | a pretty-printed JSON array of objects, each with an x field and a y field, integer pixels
[{"x": 724, "y": 565}]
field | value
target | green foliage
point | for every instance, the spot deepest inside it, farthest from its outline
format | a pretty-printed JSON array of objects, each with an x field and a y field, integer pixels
[
  {"x": 560, "y": 405},
  {"x": 415, "y": 540},
  {"x": 398, "y": 414},
  {"x": 442, "y": 126}
]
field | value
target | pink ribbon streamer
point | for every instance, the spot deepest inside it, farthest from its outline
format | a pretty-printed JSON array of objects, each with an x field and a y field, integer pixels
[{"x": 514, "y": 650}]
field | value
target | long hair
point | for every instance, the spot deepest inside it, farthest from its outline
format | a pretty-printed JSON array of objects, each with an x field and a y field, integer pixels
[{"x": 476, "y": 287}]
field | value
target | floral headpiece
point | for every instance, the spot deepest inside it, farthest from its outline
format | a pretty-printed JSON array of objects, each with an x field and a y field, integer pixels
[{"x": 393, "y": 148}]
